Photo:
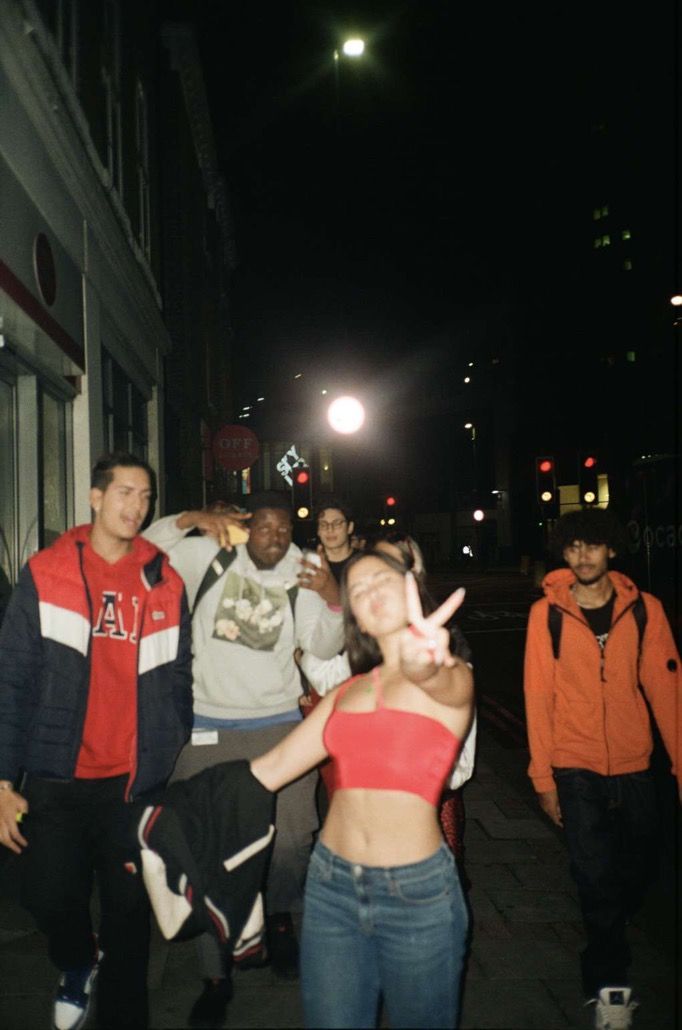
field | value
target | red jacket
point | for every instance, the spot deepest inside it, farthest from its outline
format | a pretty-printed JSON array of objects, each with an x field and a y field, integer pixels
[{"x": 584, "y": 710}]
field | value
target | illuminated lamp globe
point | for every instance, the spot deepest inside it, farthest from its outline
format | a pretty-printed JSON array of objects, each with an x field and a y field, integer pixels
[
  {"x": 346, "y": 415},
  {"x": 354, "y": 47},
  {"x": 479, "y": 515}
]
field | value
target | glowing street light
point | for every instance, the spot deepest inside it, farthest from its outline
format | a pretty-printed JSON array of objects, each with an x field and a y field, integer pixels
[
  {"x": 354, "y": 47},
  {"x": 676, "y": 301},
  {"x": 346, "y": 415}
]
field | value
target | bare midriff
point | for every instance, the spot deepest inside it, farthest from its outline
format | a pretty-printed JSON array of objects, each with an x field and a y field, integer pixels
[{"x": 381, "y": 827}]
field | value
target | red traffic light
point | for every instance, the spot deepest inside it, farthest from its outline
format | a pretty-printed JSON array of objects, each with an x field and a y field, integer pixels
[
  {"x": 390, "y": 502},
  {"x": 302, "y": 476},
  {"x": 589, "y": 462},
  {"x": 546, "y": 465}
]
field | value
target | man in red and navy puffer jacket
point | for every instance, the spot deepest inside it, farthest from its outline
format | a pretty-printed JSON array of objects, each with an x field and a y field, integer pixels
[{"x": 95, "y": 705}]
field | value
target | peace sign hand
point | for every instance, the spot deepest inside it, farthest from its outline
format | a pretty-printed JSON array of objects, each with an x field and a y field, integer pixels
[{"x": 425, "y": 644}]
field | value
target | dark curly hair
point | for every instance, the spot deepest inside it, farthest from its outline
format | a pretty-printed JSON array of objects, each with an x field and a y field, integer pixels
[
  {"x": 363, "y": 651},
  {"x": 592, "y": 526}
]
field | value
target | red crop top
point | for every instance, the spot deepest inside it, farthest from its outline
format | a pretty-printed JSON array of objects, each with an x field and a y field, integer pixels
[{"x": 389, "y": 748}]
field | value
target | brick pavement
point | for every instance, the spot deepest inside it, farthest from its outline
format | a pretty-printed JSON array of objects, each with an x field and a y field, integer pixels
[{"x": 523, "y": 963}]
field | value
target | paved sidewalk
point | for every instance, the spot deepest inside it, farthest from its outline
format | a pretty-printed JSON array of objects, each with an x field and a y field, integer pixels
[{"x": 523, "y": 965}]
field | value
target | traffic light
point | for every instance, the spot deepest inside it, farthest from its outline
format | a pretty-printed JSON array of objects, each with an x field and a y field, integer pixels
[
  {"x": 588, "y": 480},
  {"x": 302, "y": 490},
  {"x": 546, "y": 491},
  {"x": 390, "y": 515}
]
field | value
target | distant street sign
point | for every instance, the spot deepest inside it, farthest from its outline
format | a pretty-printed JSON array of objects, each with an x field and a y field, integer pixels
[
  {"x": 287, "y": 462},
  {"x": 235, "y": 448}
]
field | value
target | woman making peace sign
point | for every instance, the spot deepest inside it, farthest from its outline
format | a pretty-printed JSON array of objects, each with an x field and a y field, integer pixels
[{"x": 384, "y": 914}]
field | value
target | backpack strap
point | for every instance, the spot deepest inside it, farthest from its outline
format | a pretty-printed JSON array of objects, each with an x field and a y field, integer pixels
[
  {"x": 554, "y": 620},
  {"x": 640, "y": 613},
  {"x": 216, "y": 569}
]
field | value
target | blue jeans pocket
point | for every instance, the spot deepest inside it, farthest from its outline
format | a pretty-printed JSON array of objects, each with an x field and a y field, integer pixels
[{"x": 425, "y": 886}]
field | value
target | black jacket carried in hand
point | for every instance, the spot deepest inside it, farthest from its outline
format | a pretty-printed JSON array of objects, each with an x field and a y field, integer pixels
[{"x": 205, "y": 847}]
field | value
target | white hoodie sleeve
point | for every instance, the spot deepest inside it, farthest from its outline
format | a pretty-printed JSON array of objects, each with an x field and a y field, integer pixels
[
  {"x": 325, "y": 675},
  {"x": 189, "y": 556},
  {"x": 464, "y": 767},
  {"x": 319, "y": 629}
]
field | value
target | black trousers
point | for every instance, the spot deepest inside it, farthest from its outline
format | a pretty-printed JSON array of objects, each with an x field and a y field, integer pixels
[
  {"x": 78, "y": 831},
  {"x": 611, "y": 825}
]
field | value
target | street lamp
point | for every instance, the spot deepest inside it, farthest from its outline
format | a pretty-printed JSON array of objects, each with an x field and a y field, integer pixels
[
  {"x": 472, "y": 428},
  {"x": 353, "y": 47},
  {"x": 346, "y": 415}
]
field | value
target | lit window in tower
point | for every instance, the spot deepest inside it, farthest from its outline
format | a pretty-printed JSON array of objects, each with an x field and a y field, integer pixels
[{"x": 625, "y": 234}]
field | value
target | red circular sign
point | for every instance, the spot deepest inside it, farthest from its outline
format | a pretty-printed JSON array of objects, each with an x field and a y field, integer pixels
[{"x": 235, "y": 448}]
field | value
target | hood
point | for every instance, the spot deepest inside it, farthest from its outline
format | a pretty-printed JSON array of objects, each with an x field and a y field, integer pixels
[
  {"x": 557, "y": 584},
  {"x": 143, "y": 550}
]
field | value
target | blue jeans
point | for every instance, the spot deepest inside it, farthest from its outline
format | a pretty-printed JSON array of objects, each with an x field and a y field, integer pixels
[
  {"x": 610, "y": 824},
  {"x": 370, "y": 932}
]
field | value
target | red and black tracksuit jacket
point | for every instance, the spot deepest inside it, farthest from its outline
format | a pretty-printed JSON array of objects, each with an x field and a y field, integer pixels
[{"x": 45, "y": 667}]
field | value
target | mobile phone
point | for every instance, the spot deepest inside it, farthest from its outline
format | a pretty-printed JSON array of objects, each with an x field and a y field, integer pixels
[{"x": 236, "y": 534}]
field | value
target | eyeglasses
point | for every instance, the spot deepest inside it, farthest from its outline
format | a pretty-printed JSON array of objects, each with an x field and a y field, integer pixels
[{"x": 336, "y": 524}]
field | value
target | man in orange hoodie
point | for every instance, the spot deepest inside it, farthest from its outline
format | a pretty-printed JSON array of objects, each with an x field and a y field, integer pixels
[{"x": 592, "y": 641}]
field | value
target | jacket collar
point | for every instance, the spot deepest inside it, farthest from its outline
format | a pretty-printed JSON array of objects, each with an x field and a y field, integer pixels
[{"x": 557, "y": 586}]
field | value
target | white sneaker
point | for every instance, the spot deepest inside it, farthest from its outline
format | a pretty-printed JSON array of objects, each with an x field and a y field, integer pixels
[
  {"x": 614, "y": 1009},
  {"x": 74, "y": 993}
]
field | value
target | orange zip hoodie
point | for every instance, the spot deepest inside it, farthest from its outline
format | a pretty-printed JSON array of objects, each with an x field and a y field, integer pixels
[{"x": 585, "y": 710}]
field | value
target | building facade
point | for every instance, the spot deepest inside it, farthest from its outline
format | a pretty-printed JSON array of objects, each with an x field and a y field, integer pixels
[{"x": 85, "y": 346}]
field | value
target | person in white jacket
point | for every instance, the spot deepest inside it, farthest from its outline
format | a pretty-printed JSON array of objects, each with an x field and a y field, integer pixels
[{"x": 264, "y": 601}]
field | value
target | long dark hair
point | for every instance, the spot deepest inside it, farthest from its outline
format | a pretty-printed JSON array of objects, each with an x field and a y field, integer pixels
[{"x": 363, "y": 651}]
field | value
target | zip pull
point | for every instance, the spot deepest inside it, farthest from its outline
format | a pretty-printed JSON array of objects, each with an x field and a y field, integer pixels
[{"x": 602, "y": 677}]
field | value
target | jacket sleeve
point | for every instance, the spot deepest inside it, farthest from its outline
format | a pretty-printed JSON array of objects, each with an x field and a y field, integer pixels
[
  {"x": 538, "y": 688},
  {"x": 659, "y": 674},
  {"x": 165, "y": 533},
  {"x": 20, "y": 659},
  {"x": 182, "y": 671},
  {"x": 319, "y": 629}
]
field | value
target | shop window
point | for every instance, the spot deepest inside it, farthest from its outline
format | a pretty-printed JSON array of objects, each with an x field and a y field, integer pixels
[
  {"x": 142, "y": 161},
  {"x": 8, "y": 527},
  {"x": 66, "y": 37},
  {"x": 54, "y": 477},
  {"x": 111, "y": 80},
  {"x": 125, "y": 411}
]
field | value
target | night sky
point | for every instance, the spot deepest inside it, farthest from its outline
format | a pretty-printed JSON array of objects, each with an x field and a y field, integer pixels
[
  {"x": 441, "y": 199},
  {"x": 369, "y": 228}
]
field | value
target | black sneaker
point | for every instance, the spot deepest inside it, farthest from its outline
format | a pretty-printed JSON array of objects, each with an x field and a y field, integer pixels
[
  {"x": 210, "y": 1008},
  {"x": 283, "y": 946}
]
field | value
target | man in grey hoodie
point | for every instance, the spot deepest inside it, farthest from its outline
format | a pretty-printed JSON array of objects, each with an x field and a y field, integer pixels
[{"x": 264, "y": 601}]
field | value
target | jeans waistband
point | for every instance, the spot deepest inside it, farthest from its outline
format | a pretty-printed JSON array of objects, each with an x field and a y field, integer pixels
[{"x": 331, "y": 864}]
